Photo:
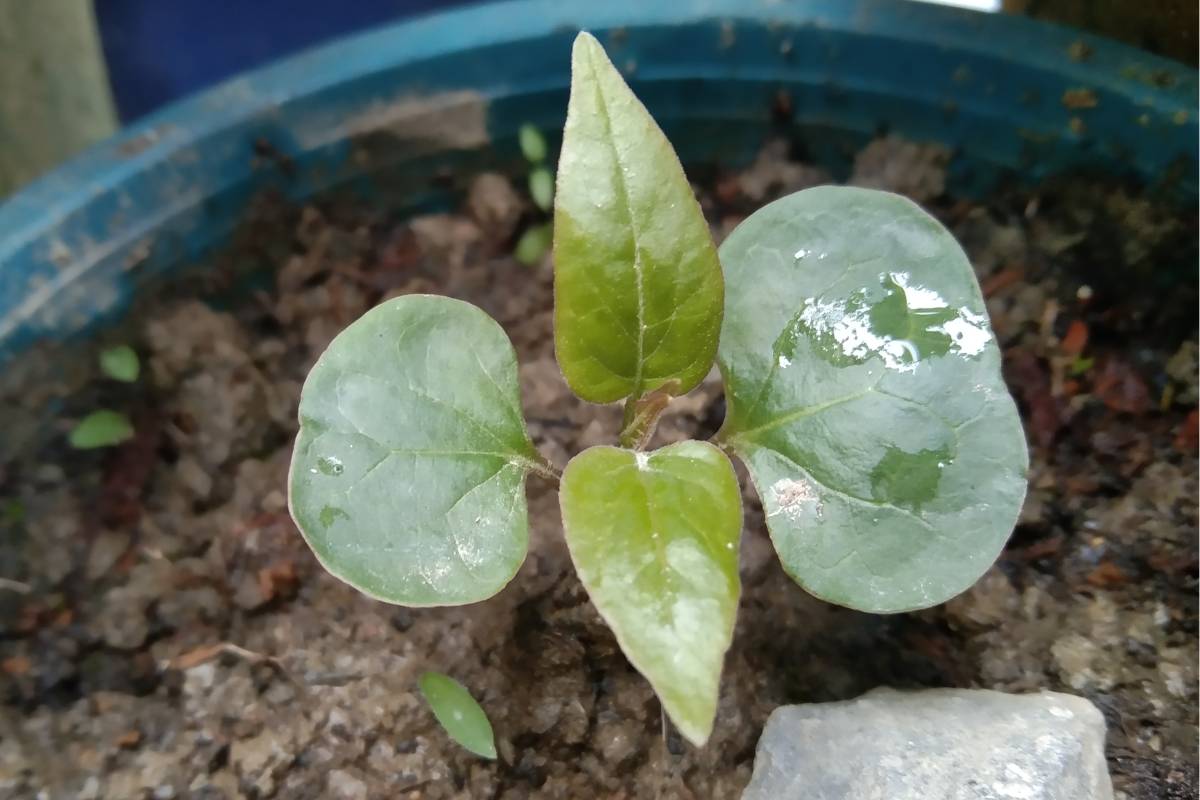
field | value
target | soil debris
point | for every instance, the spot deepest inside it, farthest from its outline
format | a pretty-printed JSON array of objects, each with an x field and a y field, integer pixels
[{"x": 284, "y": 683}]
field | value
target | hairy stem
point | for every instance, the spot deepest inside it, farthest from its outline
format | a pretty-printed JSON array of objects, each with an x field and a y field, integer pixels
[
  {"x": 543, "y": 467},
  {"x": 641, "y": 415}
]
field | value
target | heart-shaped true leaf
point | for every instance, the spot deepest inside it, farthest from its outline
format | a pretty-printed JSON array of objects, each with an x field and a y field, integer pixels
[
  {"x": 408, "y": 476},
  {"x": 654, "y": 540},
  {"x": 637, "y": 286},
  {"x": 864, "y": 393}
]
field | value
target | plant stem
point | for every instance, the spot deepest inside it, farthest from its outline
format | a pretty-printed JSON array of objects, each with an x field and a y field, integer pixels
[
  {"x": 641, "y": 416},
  {"x": 542, "y": 466}
]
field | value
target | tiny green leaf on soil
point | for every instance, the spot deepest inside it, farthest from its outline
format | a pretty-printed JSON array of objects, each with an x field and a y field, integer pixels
[
  {"x": 13, "y": 512},
  {"x": 462, "y": 717},
  {"x": 864, "y": 393},
  {"x": 408, "y": 475},
  {"x": 533, "y": 144},
  {"x": 654, "y": 538},
  {"x": 638, "y": 290},
  {"x": 103, "y": 428},
  {"x": 534, "y": 243},
  {"x": 120, "y": 363},
  {"x": 541, "y": 188}
]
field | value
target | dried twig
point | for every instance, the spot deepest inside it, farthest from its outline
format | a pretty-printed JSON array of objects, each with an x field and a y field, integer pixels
[{"x": 207, "y": 653}]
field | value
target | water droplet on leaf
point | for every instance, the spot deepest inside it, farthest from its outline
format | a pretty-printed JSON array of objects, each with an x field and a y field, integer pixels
[
  {"x": 331, "y": 513},
  {"x": 908, "y": 480},
  {"x": 328, "y": 465}
]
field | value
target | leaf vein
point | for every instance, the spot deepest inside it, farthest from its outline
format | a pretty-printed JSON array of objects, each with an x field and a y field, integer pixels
[{"x": 623, "y": 190}]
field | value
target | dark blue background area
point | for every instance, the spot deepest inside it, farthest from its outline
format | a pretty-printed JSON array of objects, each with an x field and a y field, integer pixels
[{"x": 159, "y": 50}]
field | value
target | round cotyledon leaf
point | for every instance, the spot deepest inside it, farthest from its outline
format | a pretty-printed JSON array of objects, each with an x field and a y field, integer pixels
[
  {"x": 408, "y": 474},
  {"x": 103, "y": 428},
  {"x": 654, "y": 539},
  {"x": 120, "y": 363},
  {"x": 637, "y": 285},
  {"x": 864, "y": 394}
]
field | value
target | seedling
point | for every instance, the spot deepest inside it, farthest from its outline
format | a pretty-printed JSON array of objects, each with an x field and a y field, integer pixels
[
  {"x": 534, "y": 243},
  {"x": 536, "y": 240},
  {"x": 106, "y": 428},
  {"x": 533, "y": 144},
  {"x": 458, "y": 713},
  {"x": 103, "y": 428},
  {"x": 541, "y": 188},
  {"x": 862, "y": 387},
  {"x": 120, "y": 363}
]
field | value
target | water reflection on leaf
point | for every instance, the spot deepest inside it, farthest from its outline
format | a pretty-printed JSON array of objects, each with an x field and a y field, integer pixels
[
  {"x": 898, "y": 322},
  {"x": 908, "y": 480}
]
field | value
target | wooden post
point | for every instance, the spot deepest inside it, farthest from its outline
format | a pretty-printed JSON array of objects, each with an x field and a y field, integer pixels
[{"x": 54, "y": 92}]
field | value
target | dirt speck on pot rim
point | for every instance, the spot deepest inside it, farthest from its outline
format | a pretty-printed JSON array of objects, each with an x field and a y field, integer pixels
[
  {"x": 179, "y": 640},
  {"x": 454, "y": 120}
]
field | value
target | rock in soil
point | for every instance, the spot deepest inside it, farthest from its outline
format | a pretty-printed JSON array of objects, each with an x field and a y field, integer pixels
[{"x": 938, "y": 744}]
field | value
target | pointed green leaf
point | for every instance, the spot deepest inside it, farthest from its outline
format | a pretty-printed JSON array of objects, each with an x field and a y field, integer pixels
[
  {"x": 459, "y": 714},
  {"x": 102, "y": 428},
  {"x": 408, "y": 475},
  {"x": 534, "y": 244},
  {"x": 533, "y": 144},
  {"x": 654, "y": 538},
  {"x": 864, "y": 394},
  {"x": 637, "y": 286},
  {"x": 120, "y": 363},
  {"x": 541, "y": 188}
]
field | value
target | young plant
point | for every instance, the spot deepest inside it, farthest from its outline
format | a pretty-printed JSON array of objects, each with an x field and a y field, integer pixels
[
  {"x": 120, "y": 363},
  {"x": 458, "y": 713},
  {"x": 537, "y": 238},
  {"x": 863, "y": 394},
  {"x": 104, "y": 427}
]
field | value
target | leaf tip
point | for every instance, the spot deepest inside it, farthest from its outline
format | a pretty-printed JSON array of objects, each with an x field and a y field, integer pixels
[
  {"x": 696, "y": 734},
  {"x": 586, "y": 52},
  {"x": 583, "y": 40}
]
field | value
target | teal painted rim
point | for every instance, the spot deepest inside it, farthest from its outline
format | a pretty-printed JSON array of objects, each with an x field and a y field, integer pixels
[{"x": 1013, "y": 97}]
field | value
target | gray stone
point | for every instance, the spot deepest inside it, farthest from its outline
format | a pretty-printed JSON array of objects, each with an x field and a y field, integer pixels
[
  {"x": 345, "y": 786},
  {"x": 937, "y": 744}
]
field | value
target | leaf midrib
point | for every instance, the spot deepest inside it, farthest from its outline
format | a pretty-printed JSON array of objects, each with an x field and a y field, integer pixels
[
  {"x": 666, "y": 572},
  {"x": 623, "y": 190},
  {"x": 481, "y": 427},
  {"x": 750, "y": 434}
]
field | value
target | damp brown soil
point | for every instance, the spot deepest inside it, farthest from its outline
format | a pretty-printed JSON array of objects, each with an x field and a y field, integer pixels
[{"x": 164, "y": 632}]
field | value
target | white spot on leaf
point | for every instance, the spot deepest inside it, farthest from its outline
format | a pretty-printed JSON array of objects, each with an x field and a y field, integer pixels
[{"x": 795, "y": 499}]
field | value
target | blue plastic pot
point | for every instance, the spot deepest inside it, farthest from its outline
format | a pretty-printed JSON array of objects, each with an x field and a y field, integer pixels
[
  {"x": 158, "y": 52},
  {"x": 391, "y": 108}
]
